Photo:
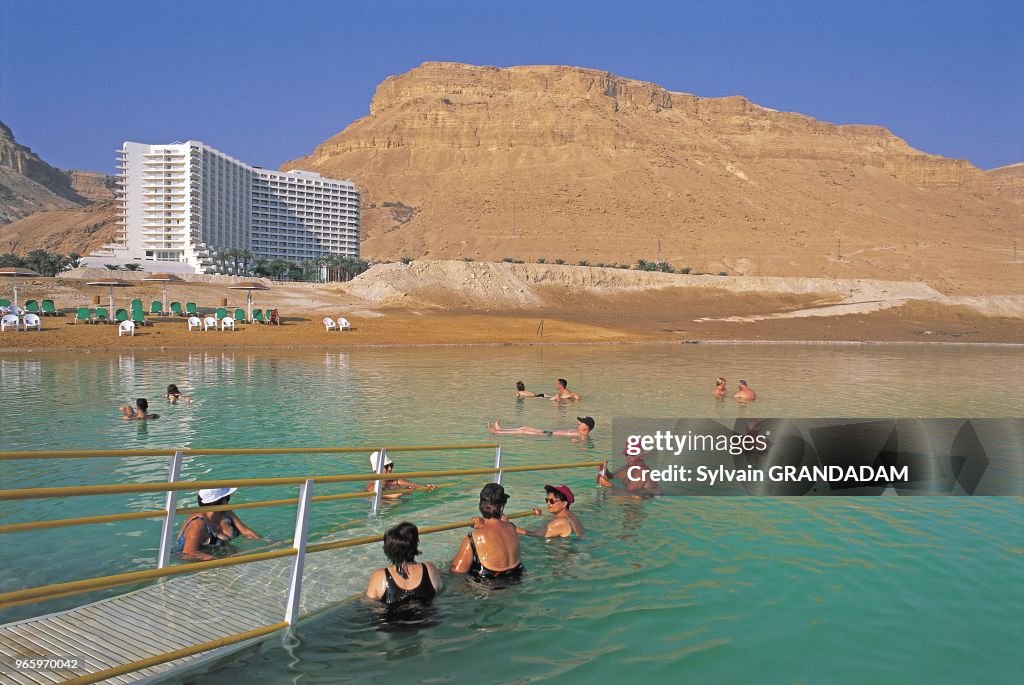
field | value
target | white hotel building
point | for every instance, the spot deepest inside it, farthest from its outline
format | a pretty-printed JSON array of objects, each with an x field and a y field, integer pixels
[{"x": 184, "y": 202}]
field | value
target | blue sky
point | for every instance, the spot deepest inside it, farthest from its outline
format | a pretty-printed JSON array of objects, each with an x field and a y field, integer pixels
[{"x": 267, "y": 81}]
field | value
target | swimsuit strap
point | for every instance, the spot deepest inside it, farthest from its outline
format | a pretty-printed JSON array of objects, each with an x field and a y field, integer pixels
[{"x": 214, "y": 540}]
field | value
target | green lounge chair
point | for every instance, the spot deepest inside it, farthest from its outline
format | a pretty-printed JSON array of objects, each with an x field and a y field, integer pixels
[
  {"x": 102, "y": 314},
  {"x": 257, "y": 316},
  {"x": 49, "y": 308},
  {"x": 5, "y": 303},
  {"x": 176, "y": 309},
  {"x": 121, "y": 315},
  {"x": 32, "y": 306},
  {"x": 221, "y": 313},
  {"x": 190, "y": 309},
  {"x": 136, "y": 303},
  {"x": 138, "y": 317},
  {"x": 83, "y": 315},
  {"x": 156, "y": 307},
  {"x": 239, "y": 314}
]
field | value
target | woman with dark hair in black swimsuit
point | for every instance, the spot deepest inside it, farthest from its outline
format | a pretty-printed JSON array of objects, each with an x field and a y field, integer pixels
[
  {"x": 491, "y": 550},
  {"x": 404, "y": 580}
]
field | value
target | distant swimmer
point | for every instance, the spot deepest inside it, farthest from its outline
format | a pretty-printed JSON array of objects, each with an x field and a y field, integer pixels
[
  {"x": 745, "y": 393},
  {"x": 139, "y": 412},
  {"x": 491, "y": 550},
  {"x": 563, "y": 393},
  {"x": 174, "y": 395},
  {"x": 581, "y": 432},
  {"x": 565, "y": 523},
  {"x": 394, "y": 484},
  {"x": 204, "y": 532},
  {"x": 404, "y": 580},
  {"x": 720, "y": 389},
  {"x": 521, "y": 391}
]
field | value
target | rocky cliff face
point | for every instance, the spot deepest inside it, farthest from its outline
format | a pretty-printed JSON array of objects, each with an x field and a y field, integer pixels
[
  {"x": 28, "y": 184},
  {"x": 92, "y": 185},
  {"x": 1009, "y": 181},
  {"x": 576, "y": 164}
]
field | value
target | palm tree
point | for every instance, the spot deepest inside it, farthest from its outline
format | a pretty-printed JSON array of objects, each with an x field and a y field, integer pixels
[
  {"x": 261, "y": 267},
  {"x": 11, "y": 259},
  {"x": 113, "y": 267},
  {"x": 295, "y": 271},
  {"x": 73, "y": 260},
  {"x": 246, "y": 255},
  {"x": 56, "y": 263},
  {"x": 38, "y": 260},
  {"x": 278, "y": 268},
  {"x": 133, "y": 267}
]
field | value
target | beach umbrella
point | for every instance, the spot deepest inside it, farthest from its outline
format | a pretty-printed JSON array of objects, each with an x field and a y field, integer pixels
[
  {"x": 110, "y": 283},
  {"x": 249, "y": 286},
  {"x": 13, "y": 272},
  {"x": 165, "y": 279}
]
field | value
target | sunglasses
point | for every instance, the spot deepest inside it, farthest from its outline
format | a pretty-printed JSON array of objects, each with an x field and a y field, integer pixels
[{"x": 551, "y": 500}]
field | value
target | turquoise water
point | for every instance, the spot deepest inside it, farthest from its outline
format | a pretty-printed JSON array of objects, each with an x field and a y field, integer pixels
[{"x": 694, "y": 589}]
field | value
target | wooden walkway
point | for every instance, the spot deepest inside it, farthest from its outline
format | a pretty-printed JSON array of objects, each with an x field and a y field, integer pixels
[{"x": 186, "y": 610}]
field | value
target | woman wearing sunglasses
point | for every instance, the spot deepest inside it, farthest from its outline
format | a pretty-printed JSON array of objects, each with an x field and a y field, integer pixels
[{"x": 565, "y": 523}]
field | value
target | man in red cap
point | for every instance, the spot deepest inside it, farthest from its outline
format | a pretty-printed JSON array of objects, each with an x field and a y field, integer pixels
[{"x": 565, "y": 523}]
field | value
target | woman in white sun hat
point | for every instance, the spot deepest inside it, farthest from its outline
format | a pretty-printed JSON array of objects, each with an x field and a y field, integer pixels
[
  {"x": 398, "y": 484},
  {"x": 210, "y": 529}
]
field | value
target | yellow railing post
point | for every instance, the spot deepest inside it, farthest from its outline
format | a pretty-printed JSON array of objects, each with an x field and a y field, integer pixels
[{"x": 170, "y": 507}]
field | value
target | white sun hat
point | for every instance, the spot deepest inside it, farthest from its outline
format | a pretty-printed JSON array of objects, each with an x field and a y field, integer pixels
[
  {"x": 211, "y": 496},
  {"x": 375, "y": 456}
]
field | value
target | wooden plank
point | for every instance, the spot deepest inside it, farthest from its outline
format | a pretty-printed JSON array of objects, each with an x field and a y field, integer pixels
[
  {"x": 71, "y": 644},
  {"x": 9, "y": 656},
  {"x": 29, "y": 650}
]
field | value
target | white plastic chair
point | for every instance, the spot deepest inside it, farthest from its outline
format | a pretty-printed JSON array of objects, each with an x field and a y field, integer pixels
[
  {"x": 227, "y": 322},
  {"x": 210, "y": 322},
  {"x": 31, "y": 321},
  {"x": 195, "y": 322},
  {"x": 7, "y": 321},
  {"x": 343, "y": 324},
  {"x": 126, "y": 327},
  {"x": 15, "y": 309},
  {"x": 329, "y": 323}
]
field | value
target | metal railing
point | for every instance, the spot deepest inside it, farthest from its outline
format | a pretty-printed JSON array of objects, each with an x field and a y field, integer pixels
[{"x": 299, "y": 549}]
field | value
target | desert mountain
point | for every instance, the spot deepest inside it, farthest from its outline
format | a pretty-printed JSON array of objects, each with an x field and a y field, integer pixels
[
  {"x": 567, "y": 163},
  {"x": 28, "y": 184},
  {"x": 44, "y": 207}
]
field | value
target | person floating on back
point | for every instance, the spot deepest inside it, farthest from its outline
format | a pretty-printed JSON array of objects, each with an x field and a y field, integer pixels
[
  {"x": 404, "y": 580},
  {"x": 139, "y": 412},
  {"x": 581, "y": 432}
]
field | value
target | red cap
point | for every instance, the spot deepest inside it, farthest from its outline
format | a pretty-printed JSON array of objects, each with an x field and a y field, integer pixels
[{"x": 563, "y": 490}]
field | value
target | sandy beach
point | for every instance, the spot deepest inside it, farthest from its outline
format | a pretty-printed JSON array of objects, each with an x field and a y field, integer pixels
[{"x": 452, "y": 303}]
